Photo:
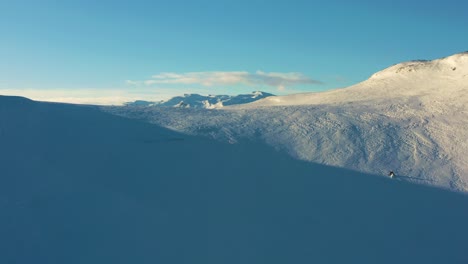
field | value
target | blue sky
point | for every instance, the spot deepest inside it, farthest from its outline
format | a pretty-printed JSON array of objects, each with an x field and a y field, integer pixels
[{"x": 154, "y": 49}]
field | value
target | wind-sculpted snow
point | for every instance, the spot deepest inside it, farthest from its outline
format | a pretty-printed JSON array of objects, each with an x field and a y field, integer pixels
[
  {"x": 81, "y": 186},
  {"x": 411, "y": 118}
]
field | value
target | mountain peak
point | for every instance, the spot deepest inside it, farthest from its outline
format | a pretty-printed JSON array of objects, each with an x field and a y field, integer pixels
[{"x": 453, "y": 65}]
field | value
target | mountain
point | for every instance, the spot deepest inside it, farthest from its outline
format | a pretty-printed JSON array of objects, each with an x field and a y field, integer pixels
[
  {"x": 142, "y": 103},
  {"x": 410, "y": 118},
  {"x": 78, "y": 185},
  {"x": 202, "y": 101},
  {"x": 445, "y": 78}
]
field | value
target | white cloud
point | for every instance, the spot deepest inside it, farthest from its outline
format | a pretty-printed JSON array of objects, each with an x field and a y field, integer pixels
[{"x": 219, "y": 78}]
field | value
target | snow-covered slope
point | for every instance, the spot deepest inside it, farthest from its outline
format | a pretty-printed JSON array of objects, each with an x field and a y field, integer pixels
[
  {"x": 81, "y": 186},
  {"x": 411, "y": 118},
  {"x": 207, "y": 102},
  {"x": 441, "y": 79}
]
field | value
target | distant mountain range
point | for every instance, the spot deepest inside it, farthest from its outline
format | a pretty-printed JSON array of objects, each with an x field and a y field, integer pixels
[{"x": 204, "y": 101}]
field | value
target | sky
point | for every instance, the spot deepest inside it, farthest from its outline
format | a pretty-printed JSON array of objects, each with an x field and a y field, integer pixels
[{"x": 109, "y": 52}]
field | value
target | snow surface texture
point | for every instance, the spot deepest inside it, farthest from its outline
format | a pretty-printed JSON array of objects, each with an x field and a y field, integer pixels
[
  {"x": 202, "y": 101},
  {"x": 411, "y": 118},
  {"x": 81, "y": 186}
]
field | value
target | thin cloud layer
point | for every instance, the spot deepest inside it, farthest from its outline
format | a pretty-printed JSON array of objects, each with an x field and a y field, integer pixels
[
  {"x": 219, "y": 78},
  {"x": 91, "y": 96}
]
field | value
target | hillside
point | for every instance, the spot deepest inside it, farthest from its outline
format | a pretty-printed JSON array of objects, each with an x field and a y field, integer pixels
[
  {"x": 81, "y": 186},
  {"x": 442, "y": 80},
  {"x": 410, "y": 118}
]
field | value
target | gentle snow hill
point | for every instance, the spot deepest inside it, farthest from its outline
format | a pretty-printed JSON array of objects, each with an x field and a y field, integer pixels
[
  {"x": 411, "y": 118},
  {"x": 81, "y": 186},
  {"x": 442, "y": 79}
]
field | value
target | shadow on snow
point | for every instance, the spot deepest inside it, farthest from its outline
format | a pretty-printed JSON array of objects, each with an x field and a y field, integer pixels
[{"x": 81, "y": 186}]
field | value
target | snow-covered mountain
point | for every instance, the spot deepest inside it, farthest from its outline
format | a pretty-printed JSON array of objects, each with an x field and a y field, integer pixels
[
  {"x": 203, "y": 101},
  {"x": 78, "y": 185},
  {"x": 411, "y": 118},
  {"x": 442, "y": 79}
]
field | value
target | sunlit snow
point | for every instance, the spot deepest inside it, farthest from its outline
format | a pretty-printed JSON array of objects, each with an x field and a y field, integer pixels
[{"x": 411, "y": 118}]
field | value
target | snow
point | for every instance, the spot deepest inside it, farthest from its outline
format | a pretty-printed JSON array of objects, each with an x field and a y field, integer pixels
[
  {"x": 78, "y": 185},
  {"x": 202, "y": 101},
  {"x": 411, "y": 118}
]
